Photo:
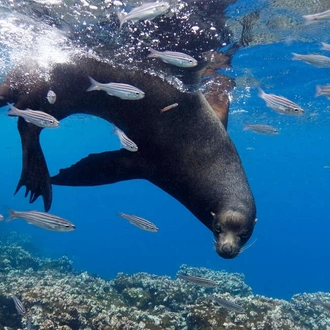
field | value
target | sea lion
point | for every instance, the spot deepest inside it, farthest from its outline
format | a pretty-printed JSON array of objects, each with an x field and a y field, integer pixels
[{"x": 185, "y": 151}]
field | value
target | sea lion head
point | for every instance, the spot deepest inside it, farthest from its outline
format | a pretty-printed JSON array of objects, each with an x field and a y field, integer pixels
[{"x": 232, "y": 229}]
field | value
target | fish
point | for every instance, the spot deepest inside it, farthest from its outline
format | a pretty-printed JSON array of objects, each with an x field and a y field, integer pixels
[
  {"x": 123, "y": 91},
  {"x": 178, "y": 59},
  {"x": 125, "y": 142},
  {"x": 262, "y": 129},
  {"x": 322, "y": 16},
  {"x": 169, "y": 107},
  {"x": 228, "y": 304},
  {"x": 139, "y": 222},
  {"x": 325, "y": 46},
  {"x": 147, "y": 11},
  {"x": 280, "y": 104},
  {"x": 320, "y": 61},
  {"x": 19, "y": 306},
  {"x": 1, "y": 217},
  {"x": 325, "y": 305},
  {"x": 323, "y": 90},
  {"x": 48, "y": 2},
  {"x": 42, "y": 220},
  {"x": 29, "y": 323},
  {"x": 205, "y": 282},
  {"x": 51, "y": 97},
  {"x": 35, "y": 117}
]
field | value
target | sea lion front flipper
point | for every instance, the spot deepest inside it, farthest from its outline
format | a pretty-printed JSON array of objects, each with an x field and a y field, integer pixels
[
  {"x": 103, "y": 168},
  {"x": 35, "y": 176}
]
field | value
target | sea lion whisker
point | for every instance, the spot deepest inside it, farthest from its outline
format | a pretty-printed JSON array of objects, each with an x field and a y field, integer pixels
[
  {"x": 214, "y": 244},
  {"x": 244, "y": 248}
]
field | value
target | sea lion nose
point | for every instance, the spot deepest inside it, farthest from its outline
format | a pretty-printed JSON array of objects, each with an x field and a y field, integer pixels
[{"x": 227, "y": 249}]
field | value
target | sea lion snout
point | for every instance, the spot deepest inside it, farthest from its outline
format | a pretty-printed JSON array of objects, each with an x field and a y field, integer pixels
[{"x": 232, "y": 229}]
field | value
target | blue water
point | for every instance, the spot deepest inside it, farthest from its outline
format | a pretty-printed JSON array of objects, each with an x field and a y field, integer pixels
[{"x": 286, "y": 173}]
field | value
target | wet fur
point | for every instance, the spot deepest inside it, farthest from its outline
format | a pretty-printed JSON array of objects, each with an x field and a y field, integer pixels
[{"x": 185, "y": 151}]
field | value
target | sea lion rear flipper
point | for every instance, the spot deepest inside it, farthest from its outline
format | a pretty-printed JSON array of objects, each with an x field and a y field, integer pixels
[
  {"x": 35, "y": 176},
  {"x": 103, "y": 168}
]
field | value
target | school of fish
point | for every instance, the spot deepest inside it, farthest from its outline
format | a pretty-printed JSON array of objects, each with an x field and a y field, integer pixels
[{"x": 124, "y": 91}]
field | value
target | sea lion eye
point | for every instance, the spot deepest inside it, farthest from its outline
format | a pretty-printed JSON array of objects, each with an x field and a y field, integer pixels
[
  {"x": 217, "y": 229},
  {"x": 244, "y": 235}
]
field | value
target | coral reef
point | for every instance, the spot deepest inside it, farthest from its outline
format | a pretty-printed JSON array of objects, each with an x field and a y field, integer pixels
[{"x": 58, "y": 298}]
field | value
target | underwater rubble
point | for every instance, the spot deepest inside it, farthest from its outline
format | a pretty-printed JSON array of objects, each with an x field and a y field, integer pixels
[{"x": 57, "y": 297}]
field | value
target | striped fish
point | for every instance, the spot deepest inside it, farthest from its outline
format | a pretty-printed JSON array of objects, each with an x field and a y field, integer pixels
[
  {"x": 281, "y": 104},
  {"x": 42, "y": 220},
  {"x": 325, "y": 46},
  {"x": 123, "y": 91},
  {"x": 227, "y": 304},
  {"x": 18, "y": 305},
  {"x": 125, "y": 142},
  {"x": 319, "y": 61},
  {"x": 262, "y": 129},
  {"x": 139, "y": 222},
  {"x": 147, "y": 11},
  {"x": 323, "y": 90},
  {"x": 38, "y": 118},
  {"x": 29, "y": 323},
  {"x": 323, "y": 16},
  {"x": 198, "y": 280},
  {"x": 181, "y": 60},
  {"x": 325, "y": 305}
]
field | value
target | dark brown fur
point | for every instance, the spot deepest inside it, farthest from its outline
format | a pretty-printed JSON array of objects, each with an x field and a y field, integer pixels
[{"x": 185, "y": 151}]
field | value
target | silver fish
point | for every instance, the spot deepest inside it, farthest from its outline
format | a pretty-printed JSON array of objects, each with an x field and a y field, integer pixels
[
  {"x": 325, "y": 305},
  {"x": 123, "y": 91},
  {"x": 323, "y": 90},
  {"x": 323, "y": 16},
  {"x": 325, "y": 46},
  {"x": 319, "y": 61},
  {"x": 198, "y": 280},
  {"x": 38, "y": 118},
  {"x": 139, "y": 222},
  {"x": 19, "y": 306},
  {"x": 175, "y": 58},
  {"x": 228, "y": 304},
  {"x": 147, "y": 11},
  {"x": 125, "y": 142},
  {"x": 42, "y": 220},
  {"x": 29, "y": 323},
  {"x": 51, "y": 97},
  {"x": 262, "y": 129},
  {"x": 169, "y": 107},
  {"x": 1, "y": 217},
  {"x": 281, "y": 104}
]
